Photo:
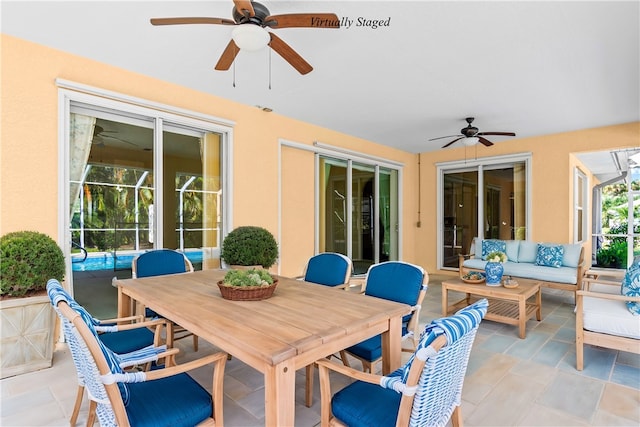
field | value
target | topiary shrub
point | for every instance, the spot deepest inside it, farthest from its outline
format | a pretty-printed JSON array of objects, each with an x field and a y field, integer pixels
[
  {"x": 28, "y": 259},
  {"x": 250, "y": 245}
]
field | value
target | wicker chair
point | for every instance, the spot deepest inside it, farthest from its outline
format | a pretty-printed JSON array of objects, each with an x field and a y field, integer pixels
[
  {"x": 162, "y": 397},
  {"x": 396, "y": 281},
  {"x": 157, "y": 263},
  {"x": 426, "y": 391},
  {"x": 135, "y": 344}
]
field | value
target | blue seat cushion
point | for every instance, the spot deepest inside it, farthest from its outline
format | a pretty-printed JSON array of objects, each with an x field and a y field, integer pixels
[
  {"x": 371, "y": 349},
  {"x": 363, "y": 404},
  {"x": 173, "y": 401},
  {"x": 127, "y": 341}
]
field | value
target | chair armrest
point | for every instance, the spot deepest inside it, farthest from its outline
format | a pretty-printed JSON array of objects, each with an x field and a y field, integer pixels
[
  {"x": 614, "y": 297},
  {"x": 349, "y": 372},
  {"x": 588, "y": 281},
  {"x": 145, "y": 324},
  {"x": 219, "y": 358},
  {"x": 136, "y": 318}
]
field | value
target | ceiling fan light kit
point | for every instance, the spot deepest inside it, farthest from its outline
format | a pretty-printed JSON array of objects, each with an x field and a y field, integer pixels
[
  {"x": 471, "y": 141},
  {"x": 250, "y": 37}
]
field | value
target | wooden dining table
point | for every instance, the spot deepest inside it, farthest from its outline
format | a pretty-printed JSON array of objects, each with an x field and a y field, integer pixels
[{"x": 301, "y": 323}]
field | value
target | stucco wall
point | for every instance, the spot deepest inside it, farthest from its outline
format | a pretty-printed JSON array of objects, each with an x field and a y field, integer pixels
[{"x": 29, "y": 156}]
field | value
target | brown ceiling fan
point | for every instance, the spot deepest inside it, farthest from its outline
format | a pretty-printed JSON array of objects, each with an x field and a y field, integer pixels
[
  {"x": 258, "y": 17},
  {"x": 472, "y": 133}
]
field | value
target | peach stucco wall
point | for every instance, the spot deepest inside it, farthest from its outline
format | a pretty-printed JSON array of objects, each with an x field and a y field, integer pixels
[
  {"x": 29, "y": 155},
  {"x": 29, "y": 138}
]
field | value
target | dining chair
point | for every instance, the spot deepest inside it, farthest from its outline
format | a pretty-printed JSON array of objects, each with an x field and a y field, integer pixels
[
  {"x": 395, "y": 281},
  {"x": 135, "y": 344},
  {"x": 159, "y": 262},
  {"x": 426, "y": 391},
  {"x": 329, "y": 269},
  {"x": 161, "y": 397}
]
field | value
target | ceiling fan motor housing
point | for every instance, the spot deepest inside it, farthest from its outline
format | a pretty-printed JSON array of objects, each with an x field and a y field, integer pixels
[{"x": 261, "y": 12}]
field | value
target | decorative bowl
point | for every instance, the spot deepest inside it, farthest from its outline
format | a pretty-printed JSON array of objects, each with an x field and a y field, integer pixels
[{"x": 474, "y": 277}]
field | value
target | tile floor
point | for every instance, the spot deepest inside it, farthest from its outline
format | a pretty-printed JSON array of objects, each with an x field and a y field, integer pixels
[{"x": 510, "y": 382}]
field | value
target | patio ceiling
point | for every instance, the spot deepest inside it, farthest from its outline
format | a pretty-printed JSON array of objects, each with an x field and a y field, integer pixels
[{"x": 535, "y": 68}]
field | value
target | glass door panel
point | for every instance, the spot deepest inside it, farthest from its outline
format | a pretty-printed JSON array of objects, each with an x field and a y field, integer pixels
[
  {"x": 389, "y": 218},
  {"x": 191, "y": 194},
  {"x": 460, "y": 215},
  {"x": 333, "y": 206},
  {"x": 364, "y": 224}
]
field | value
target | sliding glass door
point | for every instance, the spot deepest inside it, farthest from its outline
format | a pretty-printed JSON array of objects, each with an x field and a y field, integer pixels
[
  {"x": 498, "y": 211},
  {"x": 358, "y": 211}
]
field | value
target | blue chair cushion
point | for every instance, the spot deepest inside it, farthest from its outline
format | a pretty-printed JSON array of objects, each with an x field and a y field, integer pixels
[
  {"x": 173, "y": 401},
  {"x": 371, "y": 349},
  {"x": 364, "y": 404},
  {"x": 122, "y": 342},
  {"x": 394, "y": 281},
  {"x": 160, "y": 262},
  {"x": 327, "y": 269}
]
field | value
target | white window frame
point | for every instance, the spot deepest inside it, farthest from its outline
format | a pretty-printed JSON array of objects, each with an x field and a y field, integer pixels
[
  {"x": 76, "y": 93},
  {"x": 479, "y": 165},
  {"x": 580, "y": 187}
]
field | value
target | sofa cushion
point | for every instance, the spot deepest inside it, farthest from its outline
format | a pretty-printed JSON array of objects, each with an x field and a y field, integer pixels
[
  {"x": 513, "y": 247},
  {"x": 571, "y": 256},
  {"x": 530, "y": 271},
  {"x": 549, "y": 255},
  {"x": 492, "y": 245},
  {"x": 609, "y": 316},
  {"x": 528, "y": 251},
  {"x": 631, "y": 287}
]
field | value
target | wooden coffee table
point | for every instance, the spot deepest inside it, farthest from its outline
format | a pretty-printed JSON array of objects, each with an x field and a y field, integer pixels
[{"x": 510, "y": 306}]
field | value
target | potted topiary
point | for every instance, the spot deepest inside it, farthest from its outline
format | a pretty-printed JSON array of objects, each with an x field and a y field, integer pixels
[
  {"x": 247, "y": 285},
  {"x": 249, "y": 246},
  {"x": 28, "y": 259}
]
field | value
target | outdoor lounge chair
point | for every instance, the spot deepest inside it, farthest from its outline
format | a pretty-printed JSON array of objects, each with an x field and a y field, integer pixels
[
  {"x": 167, "y": 396},
  {"x": 608, "y": 313},
  {"x": 426, "y": 391}
]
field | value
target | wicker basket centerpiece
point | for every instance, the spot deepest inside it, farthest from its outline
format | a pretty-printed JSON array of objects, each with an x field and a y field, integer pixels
[{"x": 247, "y": 285}]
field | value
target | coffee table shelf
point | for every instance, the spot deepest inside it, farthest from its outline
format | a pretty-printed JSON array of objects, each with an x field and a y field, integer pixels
[{"x": 510, "y": 306}]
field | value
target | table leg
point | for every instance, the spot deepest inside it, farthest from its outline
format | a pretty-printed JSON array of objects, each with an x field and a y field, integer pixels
[
  {"x": 445, "y": 300},
  {"x": 522, "y": 317},
  {"x": 539, "y": 304},
  {"x": 392, "y": 346},
  {"x": 124, "y": 303},
  {"x": 280, "y": 394}
]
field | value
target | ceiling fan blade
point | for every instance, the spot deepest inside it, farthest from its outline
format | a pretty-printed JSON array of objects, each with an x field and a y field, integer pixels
[
  {"x": 194, "y": 20},
  {"x": 442, "y": 137},
  {"x": 289, "y": 55},
  {"x": 485, "y": 141},
  {"x": 455, "y": 140},
  {"x": 303, "y": 20},
  {"x": 228, "y": 56},
  {"x": 244, "y": 7},
  {"x": 497, "y": 133}
]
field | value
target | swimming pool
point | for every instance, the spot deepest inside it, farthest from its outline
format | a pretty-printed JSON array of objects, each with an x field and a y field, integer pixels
[{"x": 106, "y": 261}]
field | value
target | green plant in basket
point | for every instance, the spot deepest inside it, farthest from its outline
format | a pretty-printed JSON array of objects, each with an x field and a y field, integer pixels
[
  {"x": 497, "y": 256},
  {"x": 247, "y": 278}
]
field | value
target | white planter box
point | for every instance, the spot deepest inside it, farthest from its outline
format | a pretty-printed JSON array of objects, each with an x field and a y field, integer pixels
[{"x": 26, "y": 335}]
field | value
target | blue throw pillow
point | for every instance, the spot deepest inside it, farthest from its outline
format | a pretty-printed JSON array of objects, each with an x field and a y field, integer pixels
[
  {"x": 550, "y": 255},
  {"x": 492, "y": 245},
  {"x": 631, "y": 287}
]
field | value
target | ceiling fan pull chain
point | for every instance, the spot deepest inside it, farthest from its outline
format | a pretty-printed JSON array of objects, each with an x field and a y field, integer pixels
[
  {"x": 269, "y": 69},
  {"x": 234, "y": 73}
]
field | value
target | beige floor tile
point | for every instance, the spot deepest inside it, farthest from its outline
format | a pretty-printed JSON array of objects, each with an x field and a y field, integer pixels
[{"x": 622, "y": 401}]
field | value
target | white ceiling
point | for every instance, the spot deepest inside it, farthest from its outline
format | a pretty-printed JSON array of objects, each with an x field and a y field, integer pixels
[{"x": 534, "y": 68}]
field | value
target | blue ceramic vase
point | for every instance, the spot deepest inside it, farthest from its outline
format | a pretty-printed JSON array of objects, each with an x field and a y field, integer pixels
[{"x": 494, "y": 271}]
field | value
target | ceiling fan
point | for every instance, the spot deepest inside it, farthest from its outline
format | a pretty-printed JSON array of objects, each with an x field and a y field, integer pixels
[
  {"x": 100, "y": 135},
  {"x": 472, "y": 136},
  {"x": 251, "y": 20}
]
